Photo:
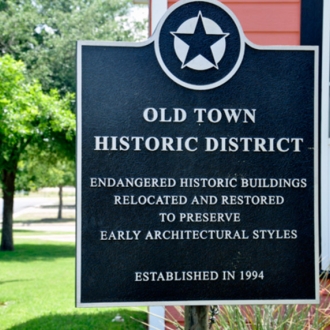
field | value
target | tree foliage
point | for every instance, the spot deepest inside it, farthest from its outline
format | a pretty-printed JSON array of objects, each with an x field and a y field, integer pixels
[
  {"x": 40, "y": 168},
  {"x": 43, "y": 34},
  {"x": 29, "y": 117},
  {"x": 36, "y": 98}
]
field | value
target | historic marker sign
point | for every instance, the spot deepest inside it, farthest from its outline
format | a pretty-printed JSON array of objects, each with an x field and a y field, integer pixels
[{"x": 197, "y": 161}]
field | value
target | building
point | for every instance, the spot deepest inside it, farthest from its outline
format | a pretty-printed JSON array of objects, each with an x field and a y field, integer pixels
[{"x": 288, "y": 22}]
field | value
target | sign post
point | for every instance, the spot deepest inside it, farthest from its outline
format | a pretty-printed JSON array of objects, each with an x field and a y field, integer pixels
[
  {"x": 197, "y": 167},
  {"x": 196, "y": 317}
]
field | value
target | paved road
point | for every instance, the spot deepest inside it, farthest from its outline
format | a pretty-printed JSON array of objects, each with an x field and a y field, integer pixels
[{"x": 20, "y": 203}]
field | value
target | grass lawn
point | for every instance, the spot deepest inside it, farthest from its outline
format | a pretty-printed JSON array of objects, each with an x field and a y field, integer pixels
[{"x": 37, "y": 290}]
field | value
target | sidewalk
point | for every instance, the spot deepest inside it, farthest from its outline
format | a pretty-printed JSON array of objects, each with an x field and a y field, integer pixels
[
  {"x": 42, "y": 218},
  {"x": 55, "y": 226}
]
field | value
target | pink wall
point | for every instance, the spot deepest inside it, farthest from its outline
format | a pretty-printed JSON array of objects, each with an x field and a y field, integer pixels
[{"x": 267, "y": 22}]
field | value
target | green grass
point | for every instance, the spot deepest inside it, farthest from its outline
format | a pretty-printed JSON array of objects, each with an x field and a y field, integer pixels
[
  {"x": 37, "y": 291},
  {"x": 24, "y": 234}
]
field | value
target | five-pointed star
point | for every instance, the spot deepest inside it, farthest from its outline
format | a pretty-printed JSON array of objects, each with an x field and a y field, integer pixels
[{"x": 199, "y": 42}]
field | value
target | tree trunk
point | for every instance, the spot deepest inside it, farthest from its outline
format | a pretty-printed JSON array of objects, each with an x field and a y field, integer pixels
[
  {"x": 196, "y": 317},
  {"x": 60, "y": 204},
  {"x": 8, "y": 190}
]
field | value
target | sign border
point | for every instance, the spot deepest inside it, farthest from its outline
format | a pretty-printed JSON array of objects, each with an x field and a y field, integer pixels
[{"x": 152, "y": 39}]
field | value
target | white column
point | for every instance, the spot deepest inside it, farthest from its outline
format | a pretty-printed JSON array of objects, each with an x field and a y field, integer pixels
[
  {"x": 158, "y": 9},
  {"x": 325, "y": 142},
  {"x": 156, "y": 318},
  {"x": 157, "y": 313}
]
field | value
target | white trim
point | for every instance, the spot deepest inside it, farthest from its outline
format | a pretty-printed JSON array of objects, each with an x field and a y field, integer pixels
[
  {"x": 325, "y": 142},
  {"x": 78, "y": 172},
  {"x": 158, "y": 9},
  {"x": 206, "y": 303},
  {"x": 156, "y": 319}
]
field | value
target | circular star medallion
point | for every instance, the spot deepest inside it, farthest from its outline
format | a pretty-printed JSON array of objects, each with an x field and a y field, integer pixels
[
  {"x": 199, "y": 44},
  {"x": 188, "y": 47}
]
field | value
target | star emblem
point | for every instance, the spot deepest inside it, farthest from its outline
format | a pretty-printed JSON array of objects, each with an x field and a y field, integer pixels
[{"x": 199, "y": 43}]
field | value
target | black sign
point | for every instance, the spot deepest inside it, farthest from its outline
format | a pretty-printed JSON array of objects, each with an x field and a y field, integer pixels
[{"x": 197, "y": 167}]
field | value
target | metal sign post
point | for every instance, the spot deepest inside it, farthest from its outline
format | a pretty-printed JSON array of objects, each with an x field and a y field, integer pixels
[{"x": 196, "y": 317}]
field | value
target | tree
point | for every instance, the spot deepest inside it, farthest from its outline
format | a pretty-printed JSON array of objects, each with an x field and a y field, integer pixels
[
  {"x": 43, "y": 34},
  {"x": 57, "y": 171},
  {"x": 29, "y": 117}
]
